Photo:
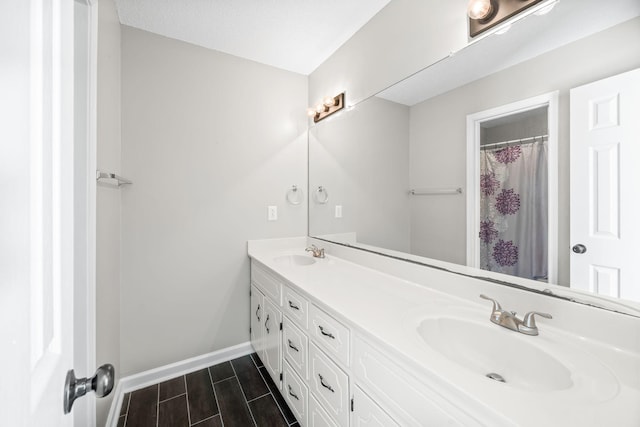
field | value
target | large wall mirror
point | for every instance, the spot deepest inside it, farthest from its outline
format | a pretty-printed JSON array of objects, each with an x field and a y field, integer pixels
[{"x": 390, "y": 174}]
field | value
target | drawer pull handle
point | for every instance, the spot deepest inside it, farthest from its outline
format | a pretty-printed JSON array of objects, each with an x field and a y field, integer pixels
[
  {"x": 292, "y": 394},
  {"x": 292, "y": 346},
  {"x": 258, "y": 312},
  {"x": 292, "y": 305},
  {"x": 326, "y": 334},
  {"x": 266, "y": 324},
  {"x": 327, "y": 386}
]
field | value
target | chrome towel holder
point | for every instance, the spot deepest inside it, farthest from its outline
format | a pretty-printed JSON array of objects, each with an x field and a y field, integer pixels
[{"x": 101, "y": 176}]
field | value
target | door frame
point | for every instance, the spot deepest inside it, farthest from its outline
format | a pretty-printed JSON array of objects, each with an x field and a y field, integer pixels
[{"x": 474, "y": 121}]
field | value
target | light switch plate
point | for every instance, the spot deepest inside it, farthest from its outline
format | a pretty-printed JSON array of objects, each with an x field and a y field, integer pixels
[{"x": 338, "y": 211}]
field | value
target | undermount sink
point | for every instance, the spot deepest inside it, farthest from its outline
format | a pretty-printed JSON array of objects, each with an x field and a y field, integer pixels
[
  {"x": 496, "y": 353},
  {"x": 294, "y": 260}
]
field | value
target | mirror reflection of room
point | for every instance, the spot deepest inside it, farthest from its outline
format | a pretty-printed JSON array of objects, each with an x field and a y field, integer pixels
[{"x": 514, "y": 195}]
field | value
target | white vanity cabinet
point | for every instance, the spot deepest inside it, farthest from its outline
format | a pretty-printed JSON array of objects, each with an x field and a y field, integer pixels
[
  {"x": 266, "y": 320},
  {"x": 324, "y": 384}
]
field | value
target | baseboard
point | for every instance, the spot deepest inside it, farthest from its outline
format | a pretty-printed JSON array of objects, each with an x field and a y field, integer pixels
[{"x": 163, "y": 373}]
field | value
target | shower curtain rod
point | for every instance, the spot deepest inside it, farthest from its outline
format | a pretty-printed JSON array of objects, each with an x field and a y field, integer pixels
[{"x": 531, "y": 140}]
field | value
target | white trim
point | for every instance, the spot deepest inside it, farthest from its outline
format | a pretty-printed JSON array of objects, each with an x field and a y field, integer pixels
[
  {"x": 163, "y": 373},
  {"x": 474, "y": 121}
]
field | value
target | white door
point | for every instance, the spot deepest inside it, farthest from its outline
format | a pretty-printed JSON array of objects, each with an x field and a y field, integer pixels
[
  {"x": 605, "y": 174},
  {"x": 39, "y": 207}
]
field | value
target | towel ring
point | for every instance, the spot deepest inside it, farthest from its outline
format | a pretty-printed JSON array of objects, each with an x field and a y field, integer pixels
[
  {"x": 321, "y": 195},
  {"x": 295, "y": 195}
]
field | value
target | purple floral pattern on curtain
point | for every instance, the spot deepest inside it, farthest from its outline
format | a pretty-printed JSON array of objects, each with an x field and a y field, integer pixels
[
  {"x": 488, "y": 183},
  {"x": 488, "y": 232},
  {"x": 508, "y": 202},
  {"x": 505, "y": 253},
  {"x": 508, "y": 154},
  {"x": 513, "y": 203}
]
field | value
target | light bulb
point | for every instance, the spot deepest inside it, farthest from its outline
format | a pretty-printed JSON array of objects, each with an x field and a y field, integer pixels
[
  {"x": 319, "y": 108},
  {"x": 329, "y": 101},
  {"x": 311, "y": 112},
  {"x": 479, "y": 9}
]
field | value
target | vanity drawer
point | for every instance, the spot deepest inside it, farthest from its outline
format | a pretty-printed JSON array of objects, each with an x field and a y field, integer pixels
[
  {"x": 296, "y": 307},
  {"x": 268, "y": 283},
  {"x": 296, "y": 394},
  {"x": 330, "y": 334},
  {"x": 408, "y": 400},
  {"x": 295, "y": 347},
  {"x": 329, "y": 384},
  {"x": 366, "y": 413},
  {"x": 318, "y": 417}
]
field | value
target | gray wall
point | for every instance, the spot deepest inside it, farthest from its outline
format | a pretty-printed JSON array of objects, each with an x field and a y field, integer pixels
[
  {"x": 108, "y": 198},
  {"x": 438, "y": 126},
  {"x": 209, "y": 140},
  {"x": 361, "y": 156}
]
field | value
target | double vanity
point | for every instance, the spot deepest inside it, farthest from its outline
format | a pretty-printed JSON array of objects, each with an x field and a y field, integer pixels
[{"x": 358, "y": 339}]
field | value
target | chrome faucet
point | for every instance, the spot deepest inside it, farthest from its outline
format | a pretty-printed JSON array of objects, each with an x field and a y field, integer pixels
[
  {"x": 315, "y": 251},
  {"x": 508, "y": 319}
]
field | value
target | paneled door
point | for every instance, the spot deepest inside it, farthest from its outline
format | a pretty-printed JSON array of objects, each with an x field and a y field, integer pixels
[
  {"x": 45, "y": 249},
  {"x": 605, "y": 174},
  {"x": 257, "y": 313},
  {"x": 272, "y": 340}
]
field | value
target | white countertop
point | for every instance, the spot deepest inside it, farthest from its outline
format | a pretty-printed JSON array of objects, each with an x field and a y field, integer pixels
[{"x": 388, "y": 310}]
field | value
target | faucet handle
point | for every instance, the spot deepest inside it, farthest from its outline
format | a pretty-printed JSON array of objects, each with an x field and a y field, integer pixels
[
  {"x": 496, "y": 311},
  {"x": 530, "y": 322},
  {"x": 529, "y": 326},
  {"x": 496, "y": 304}
]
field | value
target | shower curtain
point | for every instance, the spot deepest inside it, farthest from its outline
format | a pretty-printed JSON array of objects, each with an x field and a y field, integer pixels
[{"x": 513, "y": 210}]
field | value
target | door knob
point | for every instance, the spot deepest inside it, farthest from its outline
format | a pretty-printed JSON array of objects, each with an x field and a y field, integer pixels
[
  {"x": 101, "y": 383},
  {"x": 579, "y": 249}
]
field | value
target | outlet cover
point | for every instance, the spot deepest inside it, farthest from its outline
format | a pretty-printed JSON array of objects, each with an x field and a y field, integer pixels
[{"x": 272, "y": 213}]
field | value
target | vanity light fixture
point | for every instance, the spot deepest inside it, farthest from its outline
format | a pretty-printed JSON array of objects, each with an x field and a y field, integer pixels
[
  {"x": 328, "y": 106},
  {"x": 486, "y": 14}
]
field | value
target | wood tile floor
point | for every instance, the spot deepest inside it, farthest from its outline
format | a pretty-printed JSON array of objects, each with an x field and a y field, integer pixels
[{"x": 236, "y": 393}]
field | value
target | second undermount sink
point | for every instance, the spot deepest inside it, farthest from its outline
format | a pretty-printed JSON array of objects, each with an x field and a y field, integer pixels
[
  {"x": 294, "y": 260},
  {"x": 497, "y": 353}
]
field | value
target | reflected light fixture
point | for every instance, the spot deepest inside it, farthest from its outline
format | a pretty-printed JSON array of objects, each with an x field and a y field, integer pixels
[
  {"x": 479, "y": 9},
  {"x": 486, "y": 14},
  {"x": 329, "y": 105}
]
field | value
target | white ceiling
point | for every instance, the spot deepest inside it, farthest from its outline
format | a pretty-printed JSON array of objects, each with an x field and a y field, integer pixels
[{"x": 295, "y": 35}]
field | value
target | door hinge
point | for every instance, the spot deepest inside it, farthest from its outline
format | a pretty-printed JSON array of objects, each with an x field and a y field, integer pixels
[
  {"x": 249, "y": 330},
  {"x": 280, "y": 376},
  {"x": 352, "y": 404},
  {"x": 280, "y": 325}
]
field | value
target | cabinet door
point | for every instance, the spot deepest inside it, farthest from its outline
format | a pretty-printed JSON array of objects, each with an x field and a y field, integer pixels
[
  {"x": 366, "y": 413},
  {"x": 317, "y": 416},
  {"x": 272, "y": 339},
  {"x": 257, "y": 314}
]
